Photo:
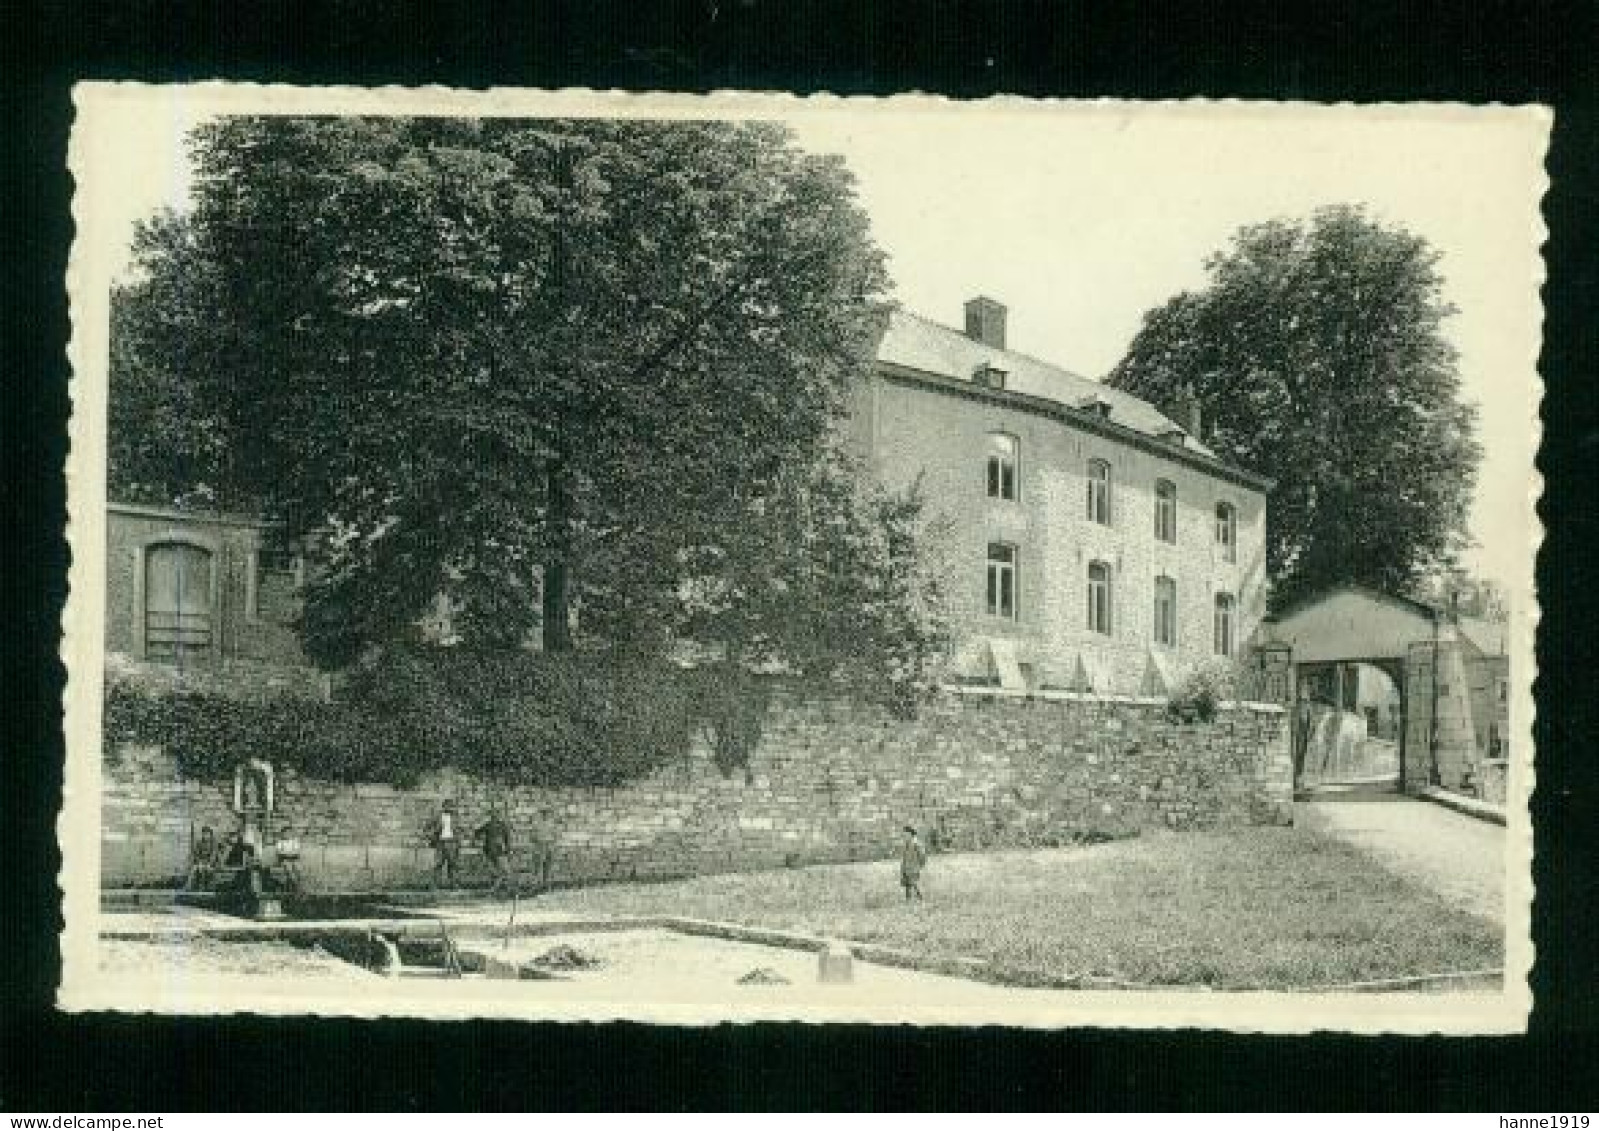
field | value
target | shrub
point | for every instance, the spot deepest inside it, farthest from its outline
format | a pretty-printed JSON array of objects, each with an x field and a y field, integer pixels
[
  {"x": 1202, "y": 692},
  {"x": 207, "y": 735},
  {"x": 730, "y": 705},
  {"x": 521, "y": 718}
]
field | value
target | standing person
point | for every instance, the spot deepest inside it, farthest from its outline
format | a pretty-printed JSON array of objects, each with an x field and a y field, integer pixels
[
  {"x": 288, "y": 850},
  {"x": 495, "y": 836},
  {"x": 203, "y": 860},
  {"x": 445, "y": 838},
  {"x": 1302, "y": 720},
  {"x": 912, "y": 859}
]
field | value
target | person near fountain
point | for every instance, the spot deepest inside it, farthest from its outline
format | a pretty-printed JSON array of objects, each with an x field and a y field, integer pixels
[
  {"x": 495, "y": 836},
  {"x": 912, "y": 859},
  {"x": 202, "y": 860},
  {"x": 236, "y": 852},
  {"x": 445, "y": 838},
  {"x": 288, "y": 852}
]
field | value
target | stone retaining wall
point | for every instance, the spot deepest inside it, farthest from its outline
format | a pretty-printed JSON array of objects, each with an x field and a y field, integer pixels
[{"x": 832, "y": 780}]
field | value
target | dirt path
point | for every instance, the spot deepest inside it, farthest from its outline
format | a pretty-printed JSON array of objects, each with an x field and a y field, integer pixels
[{"x": 1460, "y": 857}]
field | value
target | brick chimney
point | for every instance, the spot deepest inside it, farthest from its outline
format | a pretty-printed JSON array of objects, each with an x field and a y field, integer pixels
[
  {"x": 985, "y": 322},
  {"x": 1186, "y": 409}
]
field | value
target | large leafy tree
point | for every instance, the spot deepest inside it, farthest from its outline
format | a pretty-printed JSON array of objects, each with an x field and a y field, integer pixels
[
  {"x": 542, "y": 367},
  {"x": 168, "y": 443},
  {"x": 1317, "y": 356}
]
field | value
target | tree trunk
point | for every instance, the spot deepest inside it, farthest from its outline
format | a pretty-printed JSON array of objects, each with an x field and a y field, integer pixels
[
  {"x": 557, "y": 605},
  {"x": 557, "y": 569}
]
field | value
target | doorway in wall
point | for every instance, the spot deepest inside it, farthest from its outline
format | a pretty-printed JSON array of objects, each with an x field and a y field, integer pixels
[{"x": 1351, "y": 737}]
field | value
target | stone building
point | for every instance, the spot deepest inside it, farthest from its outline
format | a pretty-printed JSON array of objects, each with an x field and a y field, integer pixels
[
  {"x": 1094, "y": 543},
  {"x": 212, "y": 595}
]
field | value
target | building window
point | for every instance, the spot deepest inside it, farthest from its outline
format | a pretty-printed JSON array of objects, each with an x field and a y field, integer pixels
[
  {"x": 1099, "y": 492},
  {"x": 1225, "y": 628},
  {"x": 177, "y": 601},
  {"x": 1502, "y": 690},
  {"x": 1166, "y": 612},
  {"x": 275, "y": 574},
  {"x": 1002, "y": 449},
  {"x": 1166, "y": 511},
  {"x": 279, "y": 561},
  {"x": 1003, "y": 597},
  {"x": 1227, "y": 531},
  {"x": 1099, "y": 598}
]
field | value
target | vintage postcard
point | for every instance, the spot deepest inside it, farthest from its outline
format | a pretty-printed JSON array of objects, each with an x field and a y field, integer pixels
[{"x": 556, "y": 555}]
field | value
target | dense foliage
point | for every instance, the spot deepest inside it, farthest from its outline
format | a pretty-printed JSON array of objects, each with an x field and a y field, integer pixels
[
  {"x": 520, "y": 718},
  {"x": 578, "y": 378},
  {"x": 1471, "y": 596},
  {"x": 529, "y": 361},
  {"x": 1204, "y": 689},
  {"x": 829, "y": 578},
  {"x": 169, "y": 442},
  {"x": 1317, "y": 356}
]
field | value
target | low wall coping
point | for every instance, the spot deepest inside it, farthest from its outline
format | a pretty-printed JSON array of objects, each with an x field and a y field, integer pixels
[{"x": 1053, "y": 696}]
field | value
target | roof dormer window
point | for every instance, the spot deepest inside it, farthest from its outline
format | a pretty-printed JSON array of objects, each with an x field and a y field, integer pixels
[
  {"x": 989, "y": 376},
  {"x": 1095, "y": 406}
]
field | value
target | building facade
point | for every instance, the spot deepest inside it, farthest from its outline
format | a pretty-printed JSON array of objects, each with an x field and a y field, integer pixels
[
  {"x": 206, "y": 594},
  {"x": 1092, "y": 542}
]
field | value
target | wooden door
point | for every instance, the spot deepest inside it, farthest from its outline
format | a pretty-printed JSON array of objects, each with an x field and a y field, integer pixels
[{"x": 178, "y": 586}]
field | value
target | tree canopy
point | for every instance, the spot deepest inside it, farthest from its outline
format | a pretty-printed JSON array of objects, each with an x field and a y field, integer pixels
[
  {"x": 537, "y": 366},
  {"x": 1317, "y": 356},
  {"x": 168, "y": 440}
]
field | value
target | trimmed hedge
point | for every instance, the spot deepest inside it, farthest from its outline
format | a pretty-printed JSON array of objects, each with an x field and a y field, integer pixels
[{"x": 521, "y": 718}]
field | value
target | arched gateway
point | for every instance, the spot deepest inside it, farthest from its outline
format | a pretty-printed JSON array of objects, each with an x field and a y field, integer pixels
[{"x": 1385, "y": 692}]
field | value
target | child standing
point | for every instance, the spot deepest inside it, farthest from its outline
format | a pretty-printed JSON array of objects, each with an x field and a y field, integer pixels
[{"x": 912, "y": 858}]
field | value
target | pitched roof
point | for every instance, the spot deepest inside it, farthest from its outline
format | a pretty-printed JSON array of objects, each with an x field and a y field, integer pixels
[
  {"x": 1307, "y": 600},
  {"x": 1489, "y": 636},
  {"x": 914, "y": 342}
]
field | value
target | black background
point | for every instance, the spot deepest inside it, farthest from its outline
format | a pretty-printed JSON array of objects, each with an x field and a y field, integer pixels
[{"x": 1472, "y": 52}]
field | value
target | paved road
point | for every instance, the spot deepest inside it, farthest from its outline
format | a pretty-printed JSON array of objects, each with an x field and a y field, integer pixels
[{"x": 1460, "y": 857}]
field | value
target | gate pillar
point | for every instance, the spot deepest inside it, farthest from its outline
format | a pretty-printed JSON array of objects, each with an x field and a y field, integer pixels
[{"x": 1440, "y": 737}]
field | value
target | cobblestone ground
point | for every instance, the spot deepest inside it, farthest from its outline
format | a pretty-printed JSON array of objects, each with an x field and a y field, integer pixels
[{"x": 1459, "y": 857}]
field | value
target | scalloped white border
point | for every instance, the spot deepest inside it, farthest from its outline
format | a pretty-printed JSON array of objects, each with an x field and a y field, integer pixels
[{"x": 82, "y": 649}]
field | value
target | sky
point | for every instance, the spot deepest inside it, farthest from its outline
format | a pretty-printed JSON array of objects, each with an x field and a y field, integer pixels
[{"x": 1080, "y": 217}]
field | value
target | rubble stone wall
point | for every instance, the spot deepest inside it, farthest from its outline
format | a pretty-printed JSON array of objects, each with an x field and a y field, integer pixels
[{"x": 831, "y": 780}]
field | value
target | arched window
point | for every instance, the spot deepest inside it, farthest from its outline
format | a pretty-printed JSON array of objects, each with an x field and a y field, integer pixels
[
  {"x": 1227, "y": 531},
  {"x": 177, "y": 601},
  {"x": 1004, "y": 597},
  {"x": 1166, "y": 510},
  {"x": 1165, "y": 612},
  {"x": 1225, "y": 627},
  {"x": 1099, "y": 598},
  {"x": 1002, "y": 452},
  {"x": 1099, "y": 492}
]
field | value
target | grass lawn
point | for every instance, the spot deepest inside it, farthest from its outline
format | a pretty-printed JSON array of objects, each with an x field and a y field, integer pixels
[{"x": 1256, "y": 908}]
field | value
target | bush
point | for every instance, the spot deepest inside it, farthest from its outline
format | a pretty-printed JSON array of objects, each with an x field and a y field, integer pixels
[
  {"x": 521, "y": 718},
  {"x": 1202, "y": 692},
  {"x": 207, "y": 735}
]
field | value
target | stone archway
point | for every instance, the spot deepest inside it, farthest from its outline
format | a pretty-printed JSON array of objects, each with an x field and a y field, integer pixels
[
  {"x": 1351, "y": 735},
  {"x": 1401, "y": 644}
]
